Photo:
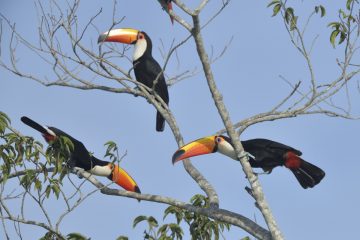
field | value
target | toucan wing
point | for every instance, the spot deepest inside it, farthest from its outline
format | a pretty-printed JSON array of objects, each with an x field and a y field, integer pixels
[
  {"x": 153, "y": 72},
  {"x": 270, "y": 145}
]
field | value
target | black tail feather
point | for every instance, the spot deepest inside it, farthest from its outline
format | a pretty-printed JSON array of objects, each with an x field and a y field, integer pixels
[
  {"x": 33, "y": 124},
  {"x": 308, "y": 174},
  {"x": 160, "y": 122}
]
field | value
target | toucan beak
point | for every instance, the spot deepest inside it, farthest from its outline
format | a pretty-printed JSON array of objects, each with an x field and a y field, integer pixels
[
  {"x": 124, "y": 180},
  {"x": 122, "y": 35},
  {"x": 201, "y": 146}
]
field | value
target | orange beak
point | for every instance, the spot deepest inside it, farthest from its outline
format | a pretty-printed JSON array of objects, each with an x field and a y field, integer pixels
[
  {"x": 198, "y": 147},
  {"x": 122, "y": 35},
  {"x": 124, "y": 180}
]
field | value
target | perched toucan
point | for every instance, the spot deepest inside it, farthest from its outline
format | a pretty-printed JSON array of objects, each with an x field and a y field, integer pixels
[
  {"x": 147, "y": 70},
  {"x": 266, "y": 154},
  {"x": 81, "y": 158},
  {"x": 167, "y": 6}
]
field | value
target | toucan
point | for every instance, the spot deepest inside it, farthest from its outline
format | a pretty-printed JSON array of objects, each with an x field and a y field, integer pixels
[
  {"x": 167, "y": 6},
  {"x": 147, "y": 69},
  {"x": 263, "y": 153},
  {"x": 81, "y": 158}
]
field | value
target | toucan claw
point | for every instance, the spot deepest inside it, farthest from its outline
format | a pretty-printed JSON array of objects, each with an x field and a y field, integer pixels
[
  {"x": 246, "y": 154},
  {"x": 78, "y": 172}
]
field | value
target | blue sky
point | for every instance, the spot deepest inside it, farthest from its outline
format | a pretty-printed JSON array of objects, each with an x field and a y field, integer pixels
[{"x": 248, "y": 77}]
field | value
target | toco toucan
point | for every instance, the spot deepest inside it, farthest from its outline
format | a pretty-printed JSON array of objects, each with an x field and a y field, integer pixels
[
  {"x": 81, "y": 158},
  {"x": 147, "y": 70},
  {"x": 266, "y": 154},
  {"x": 167, "y": 6}
]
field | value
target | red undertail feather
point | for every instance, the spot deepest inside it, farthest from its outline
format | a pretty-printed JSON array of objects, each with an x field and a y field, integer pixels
[{"x": 307, "y": 174}]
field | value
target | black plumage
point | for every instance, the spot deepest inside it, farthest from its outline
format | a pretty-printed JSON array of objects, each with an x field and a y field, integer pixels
[{"x": 148, "y": 72}]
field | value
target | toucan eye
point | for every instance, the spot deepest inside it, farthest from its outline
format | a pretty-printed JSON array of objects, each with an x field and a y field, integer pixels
[
  {"x": 141, "y": 36},
  {"x": 218, "y": 139}
]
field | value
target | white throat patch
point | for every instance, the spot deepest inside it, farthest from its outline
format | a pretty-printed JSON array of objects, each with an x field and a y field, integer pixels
[
  {"x": 101, "y": 170},
  {"x": 140, "y": 48},
  {"x": 226, "y": 149}
]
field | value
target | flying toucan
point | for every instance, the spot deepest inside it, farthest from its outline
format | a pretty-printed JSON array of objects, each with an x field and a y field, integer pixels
[
  {"x": 167, "y": 6},
  {"x": 266, "y": 154},
  {"x": 81, "y": 158},
  {"x": 147, "y": 70}
]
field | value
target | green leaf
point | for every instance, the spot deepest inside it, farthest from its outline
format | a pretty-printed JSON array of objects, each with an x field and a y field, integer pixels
[
  {"x": 175, "y": 211},
  {"x": 289, "y": 14},
  {"x": 48, "y": 235},
  {"x": 323, "y": 11},
  {"x": 4, "y": 122},
  {"x": 176, "y": 230},
  {"x": 293, "y": 23},
  {"x": 152, "y": 221},
  {"x": 38, "y": 185},
  {"x": 68, "y": 144},
  {"x": 56, "y": 190},
  {"x": 342, "y": 37},
  {"x": 351, "y": 19},
  {"x": 273, "y": 2},
  {"x": 76, "y": 236},
  {"x": 111, "y": 150},
  {"x": 348, "y": 4},
  {"x": 276, "y": 9},
  {"x": 163, "y": 229},
  {"x": 199, "y": 200},
  {"x": 342, "y": 13},
  {"x": 333, "y": 37},
  {"x": 246, "y": 238},
  {"x": 335, "y": 25},
  {"x": 139, "y": 219},
  {"x": 47, "y": 191},
  {"x": 122, "y": 238}
]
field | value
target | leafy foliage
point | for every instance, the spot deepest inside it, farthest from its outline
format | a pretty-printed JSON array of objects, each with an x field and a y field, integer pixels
[
  {"x": 201, "y": 227},
  {"x": 342, "y": 28},
  {"x": 322, "y": 10},
  {"x": 112, "y": 151},
  {"x": 288, "y": 12},
  {"x": 76, "y": 236},
  {"x": 21, "y": 153},
  {"x": 70, "y": 236},
  {"x": 4, "y": 122}
]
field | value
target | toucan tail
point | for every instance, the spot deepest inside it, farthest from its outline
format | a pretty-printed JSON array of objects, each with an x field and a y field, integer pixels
[
  {"x": 160, "y": 122},
  {"x": 33, "y": 124},
  {"x": 308, "y": 174}
]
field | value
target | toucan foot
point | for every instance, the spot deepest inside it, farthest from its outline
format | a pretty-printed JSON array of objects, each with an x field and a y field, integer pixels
[
  {"x": 262, "y": 173},
  {"x": 246, "y": 154},
  {"x": 136, "y": 89},
  {"x": 78, "y": 171}
]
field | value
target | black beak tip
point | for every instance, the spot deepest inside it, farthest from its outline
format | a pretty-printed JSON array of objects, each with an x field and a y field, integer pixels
[
  {"x": 177, "y": 155},
  {"x": 137, "y": 190},
  {"x": 102, "y": 38}
]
